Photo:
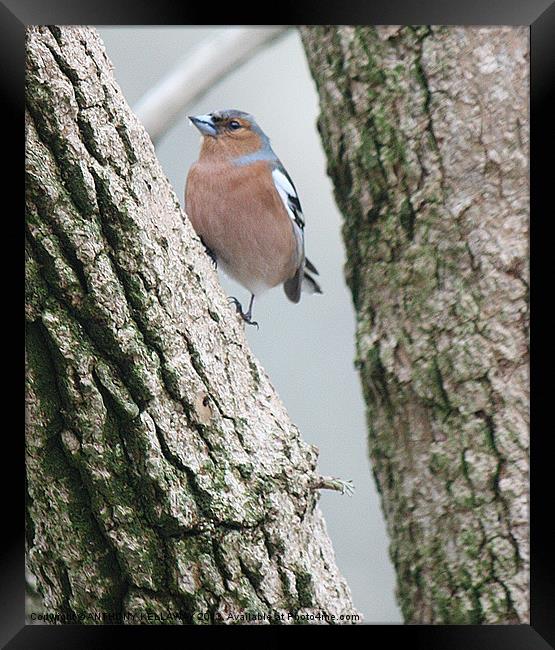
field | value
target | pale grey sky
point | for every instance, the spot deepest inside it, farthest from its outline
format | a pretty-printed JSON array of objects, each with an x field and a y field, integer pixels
[{"x": 307, "y": 349}]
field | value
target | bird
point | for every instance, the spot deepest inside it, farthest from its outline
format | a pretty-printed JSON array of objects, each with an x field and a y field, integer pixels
[{"x": 245, "y": 208}]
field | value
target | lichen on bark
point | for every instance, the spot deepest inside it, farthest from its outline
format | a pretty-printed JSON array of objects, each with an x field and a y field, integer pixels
[
  {"x": 163, "y": 472},
  {"x": 426, "y": 135}
]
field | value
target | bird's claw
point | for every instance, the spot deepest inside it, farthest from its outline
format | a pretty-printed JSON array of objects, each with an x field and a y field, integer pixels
[
  {"x": 233, "y": 300},
  {"x": 246, "y": 317},
  {"x": 210, "y": 254}
]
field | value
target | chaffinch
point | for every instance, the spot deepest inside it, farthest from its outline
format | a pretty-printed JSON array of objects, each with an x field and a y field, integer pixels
[{"x": 244, "y": 206}]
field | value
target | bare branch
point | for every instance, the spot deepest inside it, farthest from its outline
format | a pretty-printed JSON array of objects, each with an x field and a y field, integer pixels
[{"x": 214, "y": 58}]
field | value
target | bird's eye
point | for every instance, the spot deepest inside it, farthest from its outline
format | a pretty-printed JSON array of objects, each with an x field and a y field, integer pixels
[{"x": 234, "y": 125}]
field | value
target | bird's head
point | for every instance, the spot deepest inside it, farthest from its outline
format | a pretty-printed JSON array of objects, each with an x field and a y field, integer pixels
[{"x": 230, "y": 132}]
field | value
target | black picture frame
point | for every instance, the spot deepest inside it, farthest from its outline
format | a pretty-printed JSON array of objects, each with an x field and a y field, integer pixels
[{"x": 540, "y": 16}]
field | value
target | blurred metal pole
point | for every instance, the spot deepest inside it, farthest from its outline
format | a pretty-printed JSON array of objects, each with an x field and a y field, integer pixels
[{"x": 215, "y": 57}]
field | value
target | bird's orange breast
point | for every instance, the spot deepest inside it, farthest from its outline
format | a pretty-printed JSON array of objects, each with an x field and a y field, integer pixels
[{"x": 241, "y": 218}]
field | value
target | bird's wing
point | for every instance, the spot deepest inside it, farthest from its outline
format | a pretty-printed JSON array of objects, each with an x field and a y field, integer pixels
[
  {"x": 290, "y": 198},
  {"x": 288, "y": 193}
]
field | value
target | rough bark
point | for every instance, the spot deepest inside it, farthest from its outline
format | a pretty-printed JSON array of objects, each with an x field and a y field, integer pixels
[
  {"x": 163, "y": 471},
  {"x": 426, "y": 135}
]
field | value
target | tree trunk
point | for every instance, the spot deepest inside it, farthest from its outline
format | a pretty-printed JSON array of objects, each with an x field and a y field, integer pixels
[
  {"x": 163, "y": 472},
  {"x": 426, "y": 135}
]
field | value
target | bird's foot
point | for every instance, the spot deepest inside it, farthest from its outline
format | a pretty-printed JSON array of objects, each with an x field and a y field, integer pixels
[
  {"x": 246, "y": 317},
  {"x": 210, "y": 253},
  {"x": 331, "y": 483}
]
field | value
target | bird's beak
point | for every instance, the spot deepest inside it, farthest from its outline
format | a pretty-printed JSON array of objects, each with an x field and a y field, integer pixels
[{"x": 205, "y": 124}]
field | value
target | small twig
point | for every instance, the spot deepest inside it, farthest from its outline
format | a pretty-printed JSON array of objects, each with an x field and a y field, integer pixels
[{"x": 332, "y": 483}]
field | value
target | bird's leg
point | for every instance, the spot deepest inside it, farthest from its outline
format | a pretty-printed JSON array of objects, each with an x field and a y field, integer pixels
[
  {"x": 210, "y": 253},
  {"x": 248, "y": 316}
]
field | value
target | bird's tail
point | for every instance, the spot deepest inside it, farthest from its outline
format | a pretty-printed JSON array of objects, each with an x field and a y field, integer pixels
[
  {"x": 302, "y": 280},
  {"x": 309, "y": 284},
  {"x": 310, "y": 266}
]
